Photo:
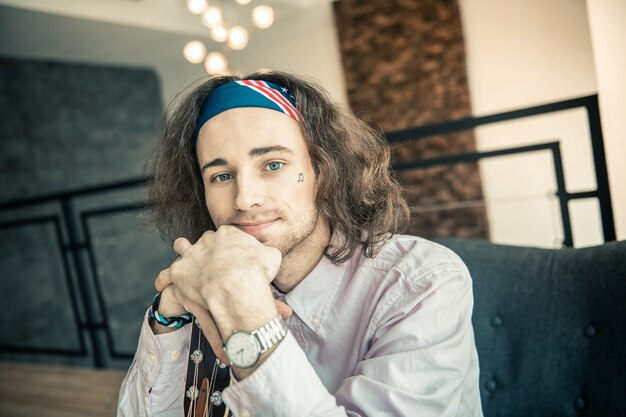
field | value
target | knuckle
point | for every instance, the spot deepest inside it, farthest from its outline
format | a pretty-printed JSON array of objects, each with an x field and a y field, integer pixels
[{"x": 175, "y": 269}]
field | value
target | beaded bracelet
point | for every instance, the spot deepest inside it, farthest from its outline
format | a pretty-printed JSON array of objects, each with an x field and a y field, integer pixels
[{"x": 175, "y": 321}]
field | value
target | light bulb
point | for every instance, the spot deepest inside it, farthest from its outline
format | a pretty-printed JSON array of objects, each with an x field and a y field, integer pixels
[
  {"x": 243, "y": 2},
  {"x": 194, "y": 52},
  {"x": 237, "y": 38},
  {"x": 197, "y": 6},
  {"x": 212, "y": 16},
  {"x": 219, "y": 33},
  {"x": 263, "y": 16},
  {"x": 215, "y": 63}
]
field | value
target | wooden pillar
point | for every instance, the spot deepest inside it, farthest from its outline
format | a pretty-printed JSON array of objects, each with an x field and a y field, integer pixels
[{"x": 404, "y": 63}]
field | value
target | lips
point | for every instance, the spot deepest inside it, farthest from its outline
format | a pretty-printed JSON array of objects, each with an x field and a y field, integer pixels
[{"x": 256, "y": 227}]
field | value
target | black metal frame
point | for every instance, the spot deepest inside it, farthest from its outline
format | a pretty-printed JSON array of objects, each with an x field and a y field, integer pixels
[
  {"x": 82, "y": 350},
  {"x": 74, "y": 247},
  {"x": 95, "y": 322},
  {"x": 84, "y": 221},
  {"x": 589, "y": 103}
]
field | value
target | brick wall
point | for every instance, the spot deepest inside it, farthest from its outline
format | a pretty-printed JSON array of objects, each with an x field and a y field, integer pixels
[{"x": 404, "y": 64}]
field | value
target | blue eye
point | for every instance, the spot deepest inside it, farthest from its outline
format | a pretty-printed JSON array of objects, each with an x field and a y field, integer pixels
[
  {"x": 274, "y": 166},
  {"x": 222, "y": 177}
]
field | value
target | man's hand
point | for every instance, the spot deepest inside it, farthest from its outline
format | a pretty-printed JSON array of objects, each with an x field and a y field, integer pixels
[
  {"x": 223, "y": 279},
  {"x": 170, "y": 297},
  {"x": 226, "y": 262}
]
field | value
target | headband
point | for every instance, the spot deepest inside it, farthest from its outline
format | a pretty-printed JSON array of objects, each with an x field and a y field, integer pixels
[{"x": 246, "y": 93}]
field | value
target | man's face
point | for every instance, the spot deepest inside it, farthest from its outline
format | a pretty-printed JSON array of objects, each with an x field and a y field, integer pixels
[{"x": 258, "y": 176}]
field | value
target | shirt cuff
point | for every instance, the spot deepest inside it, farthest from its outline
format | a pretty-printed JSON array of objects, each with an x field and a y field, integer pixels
[
  {"x": 161, "y": 354},
  {"x": 284, "y": 385}
]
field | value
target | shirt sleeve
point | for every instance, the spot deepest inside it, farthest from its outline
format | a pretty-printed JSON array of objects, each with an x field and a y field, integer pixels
[
  {"x": 421, "y": 358},
  {"x": 300, "y": 391},
  {"x": 154, "y": 384}
]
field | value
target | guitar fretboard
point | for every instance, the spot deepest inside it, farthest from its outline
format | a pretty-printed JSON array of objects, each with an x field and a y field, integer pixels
[{"x": 205, "y": 380}]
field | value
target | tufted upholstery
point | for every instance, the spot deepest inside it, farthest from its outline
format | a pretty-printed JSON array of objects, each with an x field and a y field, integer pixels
[{"x": 550, "y": 328}]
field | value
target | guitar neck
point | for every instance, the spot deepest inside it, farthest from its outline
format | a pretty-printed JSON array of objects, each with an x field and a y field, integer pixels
[{"x": 205, "y": 380}]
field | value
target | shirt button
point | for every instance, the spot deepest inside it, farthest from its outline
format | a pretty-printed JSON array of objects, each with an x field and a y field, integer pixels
[
  {"x": 496, "y": 321},
  {"x": 579, "y": 403},
  {"x": 315, "y": 321},
  {"x": 174, "y": 355},
  {"x": 244, "y": 413},
  {"x": 152, "y": 357}
]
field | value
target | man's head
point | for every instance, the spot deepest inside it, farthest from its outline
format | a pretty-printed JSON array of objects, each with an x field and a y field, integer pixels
[
  {"x": 274, "y": 177},
  {"x": 258, "y": 176}
]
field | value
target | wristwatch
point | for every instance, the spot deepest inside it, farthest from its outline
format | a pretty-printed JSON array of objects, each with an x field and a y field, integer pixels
[{"x": 243, "y": 349}]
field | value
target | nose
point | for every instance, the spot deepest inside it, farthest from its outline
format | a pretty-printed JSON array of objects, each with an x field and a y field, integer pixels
[{"x": 249, "y": 192}]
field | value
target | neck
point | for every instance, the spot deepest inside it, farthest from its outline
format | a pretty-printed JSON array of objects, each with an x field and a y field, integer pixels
[{"x": 303, "y": 258}]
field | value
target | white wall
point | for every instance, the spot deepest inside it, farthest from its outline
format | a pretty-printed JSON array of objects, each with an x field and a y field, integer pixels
[
  {"x": 607, "y": 20},
  {"x": 522, "y": 53}
]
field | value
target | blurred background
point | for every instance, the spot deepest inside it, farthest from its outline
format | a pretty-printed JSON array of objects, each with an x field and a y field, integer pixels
[{"x": 506, "y": 119}]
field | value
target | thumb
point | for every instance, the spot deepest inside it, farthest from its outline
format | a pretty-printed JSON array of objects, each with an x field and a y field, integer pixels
[{"x": 283, "y": 309}]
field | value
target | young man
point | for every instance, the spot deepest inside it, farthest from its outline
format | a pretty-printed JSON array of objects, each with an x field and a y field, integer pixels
[{"x": 284, "y": 216}]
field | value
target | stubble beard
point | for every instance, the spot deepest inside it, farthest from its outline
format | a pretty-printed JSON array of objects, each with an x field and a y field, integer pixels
[{"x": 292, "y": 241}]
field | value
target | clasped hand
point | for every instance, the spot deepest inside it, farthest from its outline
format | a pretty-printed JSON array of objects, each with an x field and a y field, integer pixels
[{"x": 223, "y": 280}]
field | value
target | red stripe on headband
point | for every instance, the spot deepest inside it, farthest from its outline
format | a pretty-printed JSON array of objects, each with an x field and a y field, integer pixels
[
  {"x": 266, "y": 95},
  {"x": 293, "y": 111},
  {"x": 273, "y": 96}
]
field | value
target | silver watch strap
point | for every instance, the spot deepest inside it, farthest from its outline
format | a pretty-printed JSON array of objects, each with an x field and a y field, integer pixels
[{"x": 271, "y": 333}]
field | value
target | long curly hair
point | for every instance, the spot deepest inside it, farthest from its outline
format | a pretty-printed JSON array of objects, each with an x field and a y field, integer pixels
[{"x": 356, "y": 192}]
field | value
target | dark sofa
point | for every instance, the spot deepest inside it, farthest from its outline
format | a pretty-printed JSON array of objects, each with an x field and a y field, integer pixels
[{"x": 550, "y": 328}]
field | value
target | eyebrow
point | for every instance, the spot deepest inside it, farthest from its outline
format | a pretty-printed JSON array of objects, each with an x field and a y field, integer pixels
[
  {"x": 254, "y": 152},
  {"x": 267, "y": 149},
  {"x": 217, "y": 162}
]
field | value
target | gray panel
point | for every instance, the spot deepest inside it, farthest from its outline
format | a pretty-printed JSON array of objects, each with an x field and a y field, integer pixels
[
  {"x": 66, "y": 126},
  {"x": 35, "y": 293},
  {"x": 128, "y": 258}
]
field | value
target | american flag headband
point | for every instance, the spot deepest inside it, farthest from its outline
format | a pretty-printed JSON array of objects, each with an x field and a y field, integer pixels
[{"x": 246, "y": 93}]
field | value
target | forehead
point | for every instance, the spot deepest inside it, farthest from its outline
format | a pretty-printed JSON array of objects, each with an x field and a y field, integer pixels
[{"x": 243, "y": 128}]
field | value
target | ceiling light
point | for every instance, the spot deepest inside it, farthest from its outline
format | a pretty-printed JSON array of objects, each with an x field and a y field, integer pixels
[
  {"x": 194, "y": 52},
  {"x": 215, "y": 63},
  {"x": 237, "y": 38},
  {"x": 219, "y": 33},
  {"x": 212, "y": 16},
  {"x": 243, "y": 2},
  {"x": 263, "y": 16},
  {"x": 197, "y": 6}
]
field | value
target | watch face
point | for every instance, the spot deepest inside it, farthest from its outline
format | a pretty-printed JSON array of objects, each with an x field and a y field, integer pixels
[{"x": 242, "y": 349}]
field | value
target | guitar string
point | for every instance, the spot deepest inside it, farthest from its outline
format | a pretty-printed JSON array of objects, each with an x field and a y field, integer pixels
[
  {"x": 212, "y": 384},
  {"x": 195, "y": 378},
  {"x": 190, "y": 411},
  {"x": 227, "y": 411}
]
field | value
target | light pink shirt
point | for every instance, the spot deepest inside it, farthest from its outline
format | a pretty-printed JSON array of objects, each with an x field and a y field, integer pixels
[{"x": 388, "y": 336}]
